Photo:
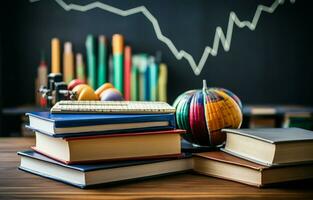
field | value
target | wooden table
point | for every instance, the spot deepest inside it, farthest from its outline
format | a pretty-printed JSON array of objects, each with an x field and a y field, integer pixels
[{"x": 16, "y": 184}]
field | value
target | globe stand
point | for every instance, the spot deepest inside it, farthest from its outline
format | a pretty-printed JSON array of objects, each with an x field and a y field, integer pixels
[{"x": 188, "y": 147}]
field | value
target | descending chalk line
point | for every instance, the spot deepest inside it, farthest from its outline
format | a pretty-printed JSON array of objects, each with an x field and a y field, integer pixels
[{"x": 219, "y": 38}]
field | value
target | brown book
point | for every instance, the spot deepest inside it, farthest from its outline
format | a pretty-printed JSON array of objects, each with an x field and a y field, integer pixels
[
  {"x": 262, "y": 122},
  {"x": 222, "y": 165},
  {"x": 124, "y": 146}
]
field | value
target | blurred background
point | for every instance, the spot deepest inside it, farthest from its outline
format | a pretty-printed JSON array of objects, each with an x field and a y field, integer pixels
[{"x": 269, "y": 69}]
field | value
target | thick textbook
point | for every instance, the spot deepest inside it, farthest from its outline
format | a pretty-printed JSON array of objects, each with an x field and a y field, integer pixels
[
  {"x": 126, "y": 146},
  {"x": 222, "y": 165},
  {"x": 102, "y": 173},
  {"x": 68, "y": 125},
  {"x": 271, "y": 146}
]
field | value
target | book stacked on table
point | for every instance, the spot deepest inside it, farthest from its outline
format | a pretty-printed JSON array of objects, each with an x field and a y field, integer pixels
[
  {"x": 90, "y": 149},
  {"x": 260, "y": 156}
]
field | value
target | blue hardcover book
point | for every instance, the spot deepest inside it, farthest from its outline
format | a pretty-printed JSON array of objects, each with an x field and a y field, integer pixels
[
  {"x": 70, "y": 125},
  {"x": 101, "y": 173}
]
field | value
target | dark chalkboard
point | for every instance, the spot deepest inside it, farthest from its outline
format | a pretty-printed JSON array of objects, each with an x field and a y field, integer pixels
[{"x": 271, "y": 65}]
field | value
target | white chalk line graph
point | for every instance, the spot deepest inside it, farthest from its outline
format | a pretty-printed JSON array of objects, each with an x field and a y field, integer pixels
[{"x": 219, "y": 38}]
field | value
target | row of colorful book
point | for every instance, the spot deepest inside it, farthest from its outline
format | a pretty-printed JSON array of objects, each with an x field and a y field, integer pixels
[
  {"x": 91, "y": 149},
  {"x": 137, "y": 76}
]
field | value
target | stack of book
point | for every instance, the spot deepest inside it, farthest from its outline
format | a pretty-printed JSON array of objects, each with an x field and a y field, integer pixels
[
  {"x": 260, "y": 156},
  {"x": 90, "y": 149}
]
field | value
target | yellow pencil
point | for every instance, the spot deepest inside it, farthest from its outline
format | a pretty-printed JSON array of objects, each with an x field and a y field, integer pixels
[
  {"x": 55, "y": 55},
  {"x": 68, "y": 63},
  {"x": 162, "y": 82}
]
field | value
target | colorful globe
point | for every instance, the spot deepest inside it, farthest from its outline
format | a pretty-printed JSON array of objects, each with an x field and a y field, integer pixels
[{"x": 204, "y": 113}]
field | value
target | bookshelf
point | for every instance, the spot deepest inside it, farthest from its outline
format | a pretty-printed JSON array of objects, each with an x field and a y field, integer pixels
[{"x": 258, "y": 116}]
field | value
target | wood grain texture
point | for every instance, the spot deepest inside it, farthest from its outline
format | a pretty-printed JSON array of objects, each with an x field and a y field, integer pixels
[{"x": 16, "y": 184}]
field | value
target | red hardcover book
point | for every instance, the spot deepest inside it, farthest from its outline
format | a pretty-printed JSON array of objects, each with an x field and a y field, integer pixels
[
  {"x": 129, "y": 146},
  {"x": 127, "y": 72}
]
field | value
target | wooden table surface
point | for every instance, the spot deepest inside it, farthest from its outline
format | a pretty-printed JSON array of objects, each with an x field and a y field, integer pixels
[{"x": 16, "y": 184}]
